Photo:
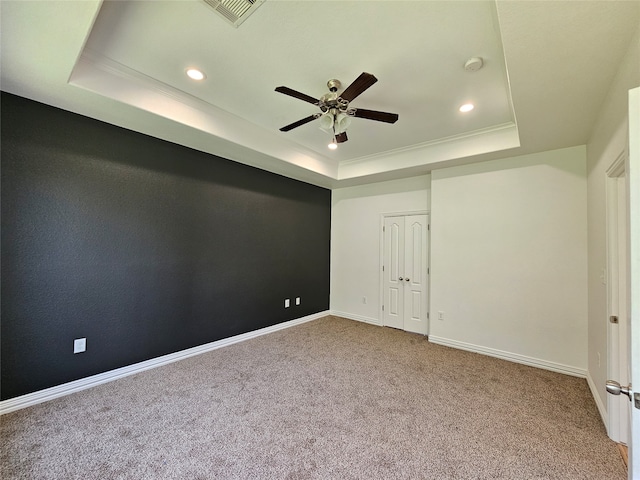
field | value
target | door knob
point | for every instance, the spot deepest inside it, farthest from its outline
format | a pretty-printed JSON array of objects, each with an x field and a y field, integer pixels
[
  {"x": 407, "y": 279},
  {"x": 614, "y": 388},
  {"x": 401, "y": 278}
]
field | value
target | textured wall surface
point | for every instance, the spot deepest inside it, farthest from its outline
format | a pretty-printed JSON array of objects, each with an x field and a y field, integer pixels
[
  {"x": 509, "y": 258},
  {"x": 142, "y": 246}
]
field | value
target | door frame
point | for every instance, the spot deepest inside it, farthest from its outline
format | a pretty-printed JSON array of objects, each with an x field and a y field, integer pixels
[
  {"x": 617, "y": 290},
  {"x": 633, "y": 194},
  {"x": 383, "y": 216}
]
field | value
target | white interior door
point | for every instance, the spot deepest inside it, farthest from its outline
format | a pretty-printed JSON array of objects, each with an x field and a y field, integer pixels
[
  {"x": 393, "y": 272},
  {"x": 406, "y": 272},
  {"x": 416, "y": 263}
]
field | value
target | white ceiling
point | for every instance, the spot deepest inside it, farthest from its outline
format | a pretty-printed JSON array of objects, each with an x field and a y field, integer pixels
[{"x": 548, "y": 66}]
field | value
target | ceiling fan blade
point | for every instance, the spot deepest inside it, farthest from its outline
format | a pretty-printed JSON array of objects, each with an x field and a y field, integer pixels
[
  {"x": 293, "y": 125},
  {"x": 341, "y": 137},
  {"x": 295, "y": 94},
  {"x": 359, "y": 85},
  {"x": 374, "y": 115}
]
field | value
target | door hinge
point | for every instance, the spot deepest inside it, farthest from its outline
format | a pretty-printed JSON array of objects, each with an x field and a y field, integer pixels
[
  {"x": 428, "y": 226},
  {"x": 383, "y": 308},
  {"x": 427, "y": 315},
  {"x": 383, "y": 268},
  {"x": 428, "y": 271},
  {"x": 383, "y": 228}
]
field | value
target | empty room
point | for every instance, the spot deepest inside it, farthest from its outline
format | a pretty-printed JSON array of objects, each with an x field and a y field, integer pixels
[{"x": 291, "y": 239}]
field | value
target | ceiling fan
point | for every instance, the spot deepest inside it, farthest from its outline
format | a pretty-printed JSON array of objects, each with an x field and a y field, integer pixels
[{"x": 335, "y": 109}]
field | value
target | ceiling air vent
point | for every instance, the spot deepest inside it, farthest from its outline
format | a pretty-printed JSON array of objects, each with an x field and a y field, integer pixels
[{"x": 234, "y": 11}]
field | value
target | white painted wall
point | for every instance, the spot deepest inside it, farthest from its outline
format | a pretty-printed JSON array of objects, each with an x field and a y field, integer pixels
[
  {"x": 608, "y": 139},
  {"x": 509, "y": 258},
  {"x": 355, "y": 241}
]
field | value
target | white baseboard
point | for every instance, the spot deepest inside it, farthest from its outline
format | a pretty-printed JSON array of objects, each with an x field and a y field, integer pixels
[
  {"x": 596, "y": 398},
  {"x": 359, "y": 318},
  {"x": 41, "y": 396},
  {"x": 513, "y": 357}
]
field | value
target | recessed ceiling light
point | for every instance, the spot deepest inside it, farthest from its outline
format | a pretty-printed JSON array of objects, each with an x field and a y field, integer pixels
[
  {"x": 467, "y": 107},
  {"x": 333, "y": 145},
  {"x": 195, "y": 74}
]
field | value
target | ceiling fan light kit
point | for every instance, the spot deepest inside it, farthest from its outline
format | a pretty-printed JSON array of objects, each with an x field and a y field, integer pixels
[
  {"x": 336, "y": 112},
  {"x": 342, "y": 122},
  {"x": 326, "y": 121}
]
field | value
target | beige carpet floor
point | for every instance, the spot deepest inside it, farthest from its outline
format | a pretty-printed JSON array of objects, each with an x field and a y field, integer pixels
[{"x": 329, "y": 399}]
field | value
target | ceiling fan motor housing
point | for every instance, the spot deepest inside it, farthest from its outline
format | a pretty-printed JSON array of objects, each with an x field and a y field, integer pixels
[
  {"x": 333, "y": 85},
  {"x": 331, "y": 100}
]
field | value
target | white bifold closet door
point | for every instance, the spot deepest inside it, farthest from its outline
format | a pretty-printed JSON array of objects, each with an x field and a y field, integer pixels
[{"x": 405, "y": 272}]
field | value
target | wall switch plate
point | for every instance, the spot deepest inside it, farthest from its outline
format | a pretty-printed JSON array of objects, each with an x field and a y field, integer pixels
[
  {"x": 441, "y": 316},
  {"x": 364, "y": 300},
  {"x": 79, "y": 345},
  {"x": 297, "y": 300},
  {"x": 287, "y": 302}
]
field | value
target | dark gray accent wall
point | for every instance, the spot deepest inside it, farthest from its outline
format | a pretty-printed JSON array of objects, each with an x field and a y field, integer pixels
[{"x": 142, "y": 246}]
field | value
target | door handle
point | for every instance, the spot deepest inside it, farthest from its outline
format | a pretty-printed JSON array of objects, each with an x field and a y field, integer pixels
[
  {"x": 401, "y": 278},
  {"x": 407, "y": 279},
  {"x": 614, "y": 388}
]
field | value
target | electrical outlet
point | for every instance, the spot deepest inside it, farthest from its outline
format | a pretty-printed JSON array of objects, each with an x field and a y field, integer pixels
[
  {"x": 441, "y": 316},
  {"x": 79, "y": 345},
  {"x": 297, "y": 300},
  {"x": 287, "y": 303}
]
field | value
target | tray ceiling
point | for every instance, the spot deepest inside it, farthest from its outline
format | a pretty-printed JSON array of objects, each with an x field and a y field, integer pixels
[{"x": 545, "y": 64}]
